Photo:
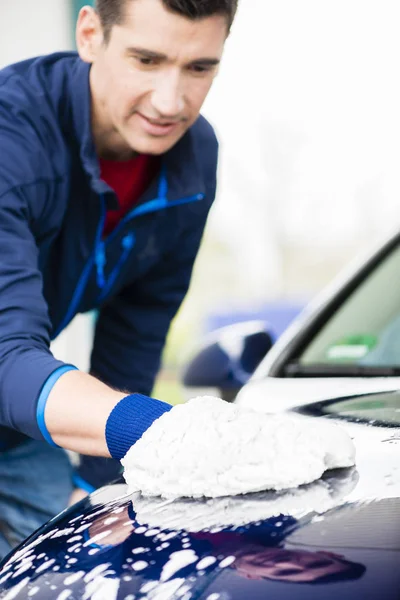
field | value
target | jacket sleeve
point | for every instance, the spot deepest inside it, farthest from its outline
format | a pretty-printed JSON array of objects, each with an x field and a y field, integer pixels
[
  {"x": 26, "y": 362},
  {"x": 131, "y": 332},
  {"x": 132, "y": 328},
  {"x": 27, "y": 367}
]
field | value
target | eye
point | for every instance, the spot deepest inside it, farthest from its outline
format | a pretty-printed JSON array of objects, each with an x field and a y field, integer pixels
[
  {"x": 287, "y": 572},
  {"x": 146, "y": 61},
  {"x": 200, "y": 69},
  {"x": 320, "y": 563}
]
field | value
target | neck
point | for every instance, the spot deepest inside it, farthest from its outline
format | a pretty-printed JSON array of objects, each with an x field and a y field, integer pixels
[{"x": 107, "y": 140}]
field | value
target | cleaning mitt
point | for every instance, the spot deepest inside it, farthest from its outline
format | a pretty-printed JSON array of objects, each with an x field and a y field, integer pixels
[{"x": 208, "y": 447}]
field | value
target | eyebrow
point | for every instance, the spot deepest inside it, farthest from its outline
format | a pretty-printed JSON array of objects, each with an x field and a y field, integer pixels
[{"x": 159, "y": 56}]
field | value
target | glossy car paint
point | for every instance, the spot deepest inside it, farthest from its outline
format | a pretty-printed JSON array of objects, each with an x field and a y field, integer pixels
[
  {"x": 338, "y": 538},
  {"x": 116, "y": 547}
]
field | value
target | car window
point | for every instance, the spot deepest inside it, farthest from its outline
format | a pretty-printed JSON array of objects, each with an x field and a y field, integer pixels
[
  {"x": 365, "y": 329},
  {"x": 375, "y": 408}
]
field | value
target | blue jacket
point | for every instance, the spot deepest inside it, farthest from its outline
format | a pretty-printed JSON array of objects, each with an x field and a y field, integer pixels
[{"x": 54, "y": 262}]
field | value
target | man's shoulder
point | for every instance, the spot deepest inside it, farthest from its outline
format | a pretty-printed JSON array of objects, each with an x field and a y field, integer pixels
[
  {"x": 34, "y": 87},
  {"x": 206, "y": 146},
  {"x": 35, "y": 72},
  {"x": 31, "y": 89},
  {"x": 32, "y": 95},
  {"x": 204, "y": 132}
]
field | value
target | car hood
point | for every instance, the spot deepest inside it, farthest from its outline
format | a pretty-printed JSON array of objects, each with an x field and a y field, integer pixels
[
  {"x": 337, "y": 537},
  {"x": 277, "y": 394}
]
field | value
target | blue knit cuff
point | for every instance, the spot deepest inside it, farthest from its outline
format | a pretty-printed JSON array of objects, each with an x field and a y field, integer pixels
[{"x": 128, "y": 421}]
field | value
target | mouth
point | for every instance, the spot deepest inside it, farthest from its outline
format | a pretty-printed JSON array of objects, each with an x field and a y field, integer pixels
[{"x": 157, "y": 127}]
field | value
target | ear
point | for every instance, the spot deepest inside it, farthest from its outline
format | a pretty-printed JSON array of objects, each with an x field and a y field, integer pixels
[{"x": 89, "y": 34}]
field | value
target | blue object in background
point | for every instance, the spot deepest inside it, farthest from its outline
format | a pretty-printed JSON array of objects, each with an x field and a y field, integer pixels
[
  {"x": 279, "y": 314},
  {"x": 76, "y": 6}
]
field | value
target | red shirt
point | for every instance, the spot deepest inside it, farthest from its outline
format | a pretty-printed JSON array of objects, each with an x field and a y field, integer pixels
[{"x": 129, "y": 179}]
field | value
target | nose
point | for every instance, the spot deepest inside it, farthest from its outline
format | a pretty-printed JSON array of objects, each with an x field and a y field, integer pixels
[{"x": 167, "y": 98}]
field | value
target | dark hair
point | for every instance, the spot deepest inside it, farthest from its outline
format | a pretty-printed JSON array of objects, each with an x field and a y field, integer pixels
[
  {"x": 111, "y": 12},
  {"x": 351, "y": 572}
]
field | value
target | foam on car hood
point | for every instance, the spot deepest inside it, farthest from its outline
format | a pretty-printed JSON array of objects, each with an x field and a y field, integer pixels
[
  {"x": 208, "y": 447},
  {"x": 216, "y": 514}
]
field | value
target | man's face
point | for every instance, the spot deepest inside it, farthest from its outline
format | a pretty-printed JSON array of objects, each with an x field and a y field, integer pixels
[
  {"x": 150, "y": 79},
  {"x": 290, "y": 565}
]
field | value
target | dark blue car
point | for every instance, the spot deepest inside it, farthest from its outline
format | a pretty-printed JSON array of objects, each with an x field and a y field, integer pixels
[{"x": 335, "y": 539}]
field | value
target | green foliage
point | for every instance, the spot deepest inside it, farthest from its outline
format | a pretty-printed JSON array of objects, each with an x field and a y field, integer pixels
[{"x": 168, "y": 389}]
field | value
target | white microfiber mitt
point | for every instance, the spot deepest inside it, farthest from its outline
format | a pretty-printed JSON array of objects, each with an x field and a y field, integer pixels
[{"x": 208, "y": 447}]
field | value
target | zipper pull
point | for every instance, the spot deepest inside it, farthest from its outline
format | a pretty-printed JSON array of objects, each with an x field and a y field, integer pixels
[
  {"x": 128, "y": 241},
  {"x": 100, "y": 264},
  {"x": 163, "y": 184}
]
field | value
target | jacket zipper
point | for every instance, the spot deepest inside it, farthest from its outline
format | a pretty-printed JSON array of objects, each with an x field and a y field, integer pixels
[
  {"x": 98, "y": 256},
  {"x": 128, "y": 241}
]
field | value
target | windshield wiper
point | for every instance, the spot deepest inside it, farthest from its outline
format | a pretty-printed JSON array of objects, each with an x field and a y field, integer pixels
[{"x": 295, "y": 369}]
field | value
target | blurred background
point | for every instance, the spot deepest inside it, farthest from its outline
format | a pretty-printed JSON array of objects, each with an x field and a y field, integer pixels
[{"x": 306, "y": 107}]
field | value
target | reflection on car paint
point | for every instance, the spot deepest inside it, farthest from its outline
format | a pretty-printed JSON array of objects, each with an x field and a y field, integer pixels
[
  {"x": 253, "y": 551},
  {"x": 194, "y": 549},
  {"x": 336, "y": 538}
]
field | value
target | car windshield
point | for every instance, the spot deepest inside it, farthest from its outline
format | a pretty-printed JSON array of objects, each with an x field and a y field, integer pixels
[
  {"x": 365, "y": 330},
  {"x": 374, "y": 409}
]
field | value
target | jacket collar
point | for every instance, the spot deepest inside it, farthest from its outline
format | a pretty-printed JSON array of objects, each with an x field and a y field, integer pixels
[{"x": 181, "y": 163}]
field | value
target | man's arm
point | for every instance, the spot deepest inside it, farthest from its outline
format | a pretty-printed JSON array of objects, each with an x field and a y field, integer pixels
[
  {"x": 76, "y": 405},
  {"x": 77, "y": 410},
  {"x": 130, "y": 336},
  {"x": 131, "y": 331},
  {"x": 72, "y": 409},
  {"x": 34, "y": 386},
  {"x": 38, "y": 395}
]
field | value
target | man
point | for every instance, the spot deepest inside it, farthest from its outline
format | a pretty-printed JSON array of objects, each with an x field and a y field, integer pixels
[{"x": 107, "y": 174}]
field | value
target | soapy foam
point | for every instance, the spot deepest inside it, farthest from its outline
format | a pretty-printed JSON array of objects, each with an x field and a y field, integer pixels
[
  {"x": 186, "y": 514},
  {"x": 208, "y": 447}
]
